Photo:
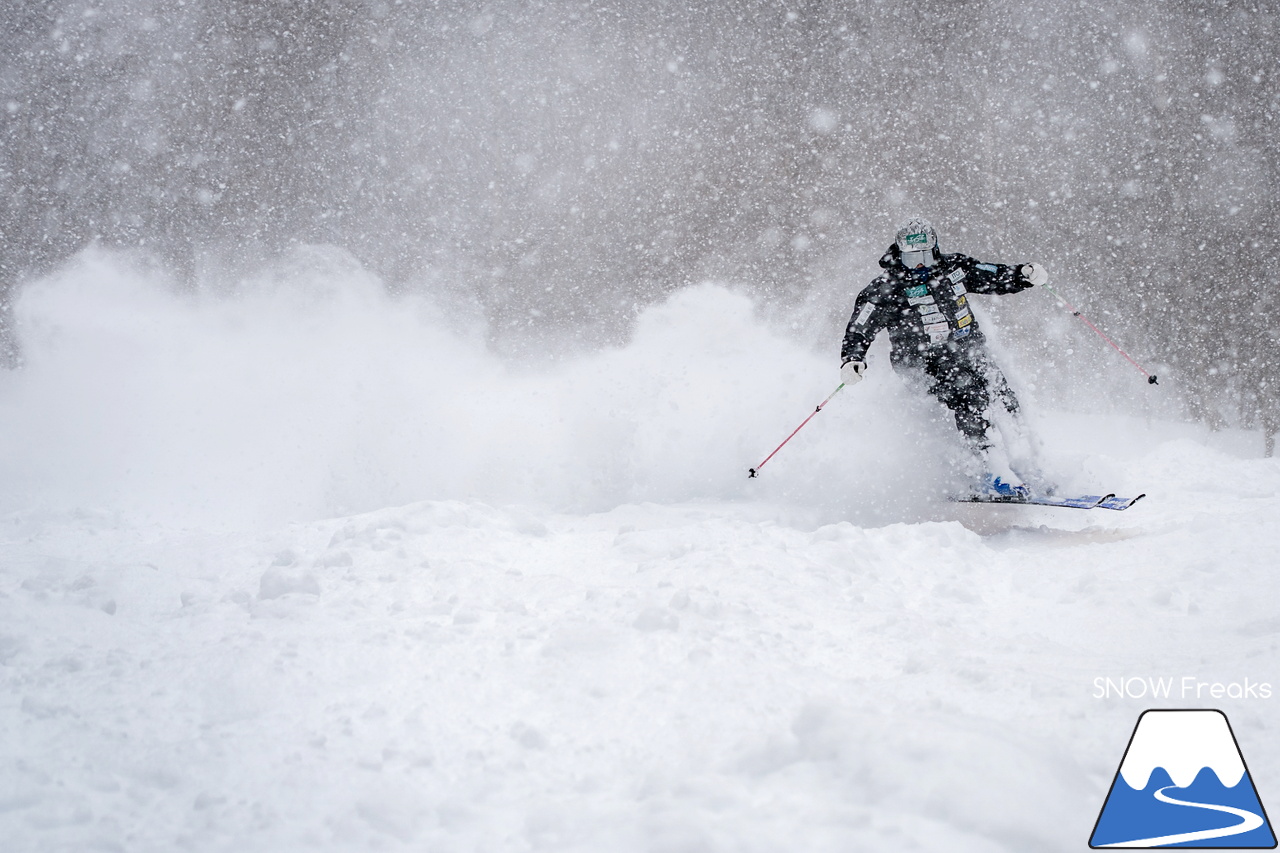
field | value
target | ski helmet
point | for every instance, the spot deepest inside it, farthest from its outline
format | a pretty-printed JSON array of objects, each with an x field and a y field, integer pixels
[{"x": 917, "y": 244}]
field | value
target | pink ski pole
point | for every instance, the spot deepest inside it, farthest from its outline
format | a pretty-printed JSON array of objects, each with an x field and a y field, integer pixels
[
  {"x": 755, "y": 472},
  {"x": 1151, "y": 379}
]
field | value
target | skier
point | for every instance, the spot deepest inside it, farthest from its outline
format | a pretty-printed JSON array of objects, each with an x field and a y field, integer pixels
[{"x": 921, "y": 300}]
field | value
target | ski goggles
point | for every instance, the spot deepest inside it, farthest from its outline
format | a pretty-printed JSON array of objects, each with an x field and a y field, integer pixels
[{"x": 911, "y": 260}]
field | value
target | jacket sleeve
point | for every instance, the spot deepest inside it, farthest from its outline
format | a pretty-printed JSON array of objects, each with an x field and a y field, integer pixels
[
  {"x": 867, "y": 321},
  {"x": 993, "y": 278}
]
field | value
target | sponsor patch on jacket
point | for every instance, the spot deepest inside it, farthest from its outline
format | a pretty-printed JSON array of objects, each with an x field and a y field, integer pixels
[
  {"x": 920, "y": 300},
  {"x": 865, "y": 314},
  {"x": 960, "y": 300},
  {"x": 987, "y": 267},
  {"x": 963, "y": 333},
  {"x": 963, "y": 312},
  {"x": 936, "y": 327},
  {"x": 960, "y": 290},
  {"x": 964, "y": 321},
  {"x": 918, "y": 290},
  {"x": 956, "y": 276}
]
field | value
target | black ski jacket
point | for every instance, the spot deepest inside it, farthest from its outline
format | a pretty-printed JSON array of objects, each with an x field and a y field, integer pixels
[{"x": 926, "y": 317}]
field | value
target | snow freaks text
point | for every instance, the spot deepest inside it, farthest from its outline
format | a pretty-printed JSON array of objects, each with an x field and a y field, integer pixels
[{"x": 1184, "y": 687}]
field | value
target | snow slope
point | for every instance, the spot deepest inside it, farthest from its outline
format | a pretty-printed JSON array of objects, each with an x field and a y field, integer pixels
[{"x": 306, "y": 568}]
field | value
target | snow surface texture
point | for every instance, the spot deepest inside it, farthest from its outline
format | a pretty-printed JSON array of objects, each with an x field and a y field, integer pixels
[{"x": 304, "y": 567}]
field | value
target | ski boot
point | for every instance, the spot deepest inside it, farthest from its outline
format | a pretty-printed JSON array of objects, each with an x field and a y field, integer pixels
[{"x": 1004, "y": 487}]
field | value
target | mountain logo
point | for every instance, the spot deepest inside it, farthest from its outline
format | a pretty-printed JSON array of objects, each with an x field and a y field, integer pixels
[{"x": 1183, "y": 783}]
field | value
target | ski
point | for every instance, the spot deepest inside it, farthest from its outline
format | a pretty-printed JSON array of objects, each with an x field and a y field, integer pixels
[
  {"x": 1116, "y": 503},
  {"x": 1107, "y": 501},
  {"x": 1080, "y": 502}
]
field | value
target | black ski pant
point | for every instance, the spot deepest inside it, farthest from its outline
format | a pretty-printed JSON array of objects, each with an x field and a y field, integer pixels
[{"x": 965, "y": 381}]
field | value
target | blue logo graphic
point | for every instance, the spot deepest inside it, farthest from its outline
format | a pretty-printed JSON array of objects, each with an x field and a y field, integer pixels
[{"x": 1183, "y": 783}]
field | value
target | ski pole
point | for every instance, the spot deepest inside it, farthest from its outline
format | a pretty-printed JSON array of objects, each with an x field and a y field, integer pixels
[
  {"x": 755, "y": 472},
  {"x": 1151, "y": 379}
]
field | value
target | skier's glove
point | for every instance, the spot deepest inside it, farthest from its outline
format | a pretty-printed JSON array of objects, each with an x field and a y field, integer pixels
[
  {"x": 1034, "y": 274},
  {"x": 851, "y": 372}
]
